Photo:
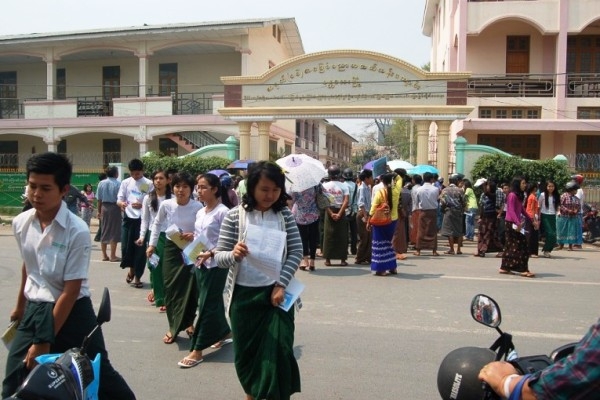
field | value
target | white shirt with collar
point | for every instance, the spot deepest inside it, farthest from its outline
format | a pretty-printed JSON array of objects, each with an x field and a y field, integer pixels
[
  {"x": 131, "y": 190},
  {"x": 59, "y": 253}
]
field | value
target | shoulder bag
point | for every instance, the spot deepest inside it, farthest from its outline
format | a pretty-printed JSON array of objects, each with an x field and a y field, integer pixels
[{"x": 381, "y": 216}]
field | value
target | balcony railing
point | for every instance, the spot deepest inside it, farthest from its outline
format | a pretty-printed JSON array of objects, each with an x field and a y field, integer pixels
[
  {"x": 11, "y": 108},
  {"x": 518, "y": 85},
  {"x": 583, "y": 85}
]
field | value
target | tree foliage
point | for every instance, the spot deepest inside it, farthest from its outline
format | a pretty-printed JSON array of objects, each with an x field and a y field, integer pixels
[
  {"x": 192, "y": 165},
  {"x": 503, "y": 168}
]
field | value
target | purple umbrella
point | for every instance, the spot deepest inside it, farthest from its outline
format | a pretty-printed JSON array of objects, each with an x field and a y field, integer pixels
[{"x": 218, "y": 172}]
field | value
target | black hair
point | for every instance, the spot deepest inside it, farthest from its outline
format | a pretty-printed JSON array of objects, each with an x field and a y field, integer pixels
[
  {"x": 271, "y": 171},
  {"x": 136, "y": 165},
  {"x": 417, "y": 178},
  {"x": 112, "y": 172},
  {"x": 427, "y": 177},
  {"x": 365, "y": 174},
  {"x": 183, "y": 177},
  {"x": 491, "y": 190},
  {"x": 467, "y": 183},
  {"x": 555, "y": 194},
  {"x": 102, "y": 176},
  {"x": 53, "y": 164},
  {"x": 214, "y": 181},
  {"x": 86, "y": 185},
  {"x": 515, "y": 187},
  {"x": 531, "y": 187},
  {"x": 401, "y": 172},
  {"x": 153, "y": 196},
  {"x": 387, "y": 180}
]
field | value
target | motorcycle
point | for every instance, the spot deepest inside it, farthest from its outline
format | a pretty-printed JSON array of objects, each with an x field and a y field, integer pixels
[
  {"x": 457, "y": 377},
  {"x": 70, "y": 375},
  {"x": 591, "y": 223}
]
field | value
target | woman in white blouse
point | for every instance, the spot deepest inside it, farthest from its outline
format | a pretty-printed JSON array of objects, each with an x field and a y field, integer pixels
[
  {"x": 211, "y": 327},
  {"x": 150, "y": 205},
  {"x": 549, "y": 201},
  {"x": 181, "y": 294}
]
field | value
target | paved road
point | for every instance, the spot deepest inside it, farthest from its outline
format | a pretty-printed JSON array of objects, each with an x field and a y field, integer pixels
[{"x": 358, "y": 336}]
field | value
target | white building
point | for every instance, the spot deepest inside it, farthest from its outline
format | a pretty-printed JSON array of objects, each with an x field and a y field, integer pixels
[{"x": 113, "y": 94}]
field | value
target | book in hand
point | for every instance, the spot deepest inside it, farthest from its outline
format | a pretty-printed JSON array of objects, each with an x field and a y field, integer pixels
[
  {"x": 292, "y": 292},
  {"x": 10, "y": 333}
]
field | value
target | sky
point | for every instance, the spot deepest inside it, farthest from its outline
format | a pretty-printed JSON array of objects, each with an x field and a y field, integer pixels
[{"x": 391, "y": 27}]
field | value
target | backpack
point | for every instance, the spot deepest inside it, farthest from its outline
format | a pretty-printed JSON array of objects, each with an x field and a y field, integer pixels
[{"x": 321, "y": 198}]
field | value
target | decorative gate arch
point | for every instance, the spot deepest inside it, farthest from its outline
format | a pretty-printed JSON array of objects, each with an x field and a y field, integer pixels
[{"x": 348, "y": 84}]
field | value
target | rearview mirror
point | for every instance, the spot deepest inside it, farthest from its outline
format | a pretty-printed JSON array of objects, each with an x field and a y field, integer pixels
[
  {"x": 104, "y": 309},
  {"x": 486, "y": 311}
]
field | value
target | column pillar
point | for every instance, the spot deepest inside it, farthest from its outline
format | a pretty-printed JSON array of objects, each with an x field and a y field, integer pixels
[
  {"x": 143, "y": 75},
  {"x": 244, "y": 128},
  {"x": 422, "y": 141},
  {"x": 263, "y": 140},
  {"x": 443, "y": 147},
  {"x": 50, "y": 75}
]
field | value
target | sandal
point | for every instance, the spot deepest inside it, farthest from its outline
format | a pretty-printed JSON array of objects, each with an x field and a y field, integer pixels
[
  {"x": 343, "y": 263},
  {"x": 190, "y": 331},
  {"x": 327, "y": 263},
  {"x": 169, "y": 339},
  {"x": 162, "y": 309},
  {"x": 303, "y": 266},
  {"x": 393, "y": 271},
  {"x": 150, "y": 297},
  {"x": 527, "y": 274},
  {"x": 311, "y": 265},
  {"x": 137, "y": 285},
  {"x": 451, "y": 252},
  {"x": 459, "y": 252},
  {"x": 380, "y": 273},
  {"x": 129, "y": 277},
  {"x": 503, "y": 271}
]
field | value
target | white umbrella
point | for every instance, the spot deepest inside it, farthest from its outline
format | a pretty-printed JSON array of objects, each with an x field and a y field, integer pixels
[
  {"x": 301, "y": 171},
  {"x": 395, "y": 164}
]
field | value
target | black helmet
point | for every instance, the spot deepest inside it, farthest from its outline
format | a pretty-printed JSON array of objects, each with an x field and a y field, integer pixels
[
  {"x": 457, "y": 375},
  {"x": 571, "y": 185},
  {"x": 348, "y": 173},
  {"x": 334, "y": 171}
]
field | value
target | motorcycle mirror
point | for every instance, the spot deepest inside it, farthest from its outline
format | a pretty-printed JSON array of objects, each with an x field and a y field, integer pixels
[
  {"x": 104, "y": 309},
  {"x": 486, "y": 311}
]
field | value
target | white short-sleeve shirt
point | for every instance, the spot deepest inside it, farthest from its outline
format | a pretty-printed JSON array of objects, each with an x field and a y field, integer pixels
[{"x": 60, "y": 253}]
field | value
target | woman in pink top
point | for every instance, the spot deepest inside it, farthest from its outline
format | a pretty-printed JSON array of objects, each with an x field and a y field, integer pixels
[
  {"x": 516, "y": 251},
  {"x": 87, "y": 209}
]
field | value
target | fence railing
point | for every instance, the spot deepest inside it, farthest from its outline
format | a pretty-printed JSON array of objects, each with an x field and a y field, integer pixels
[
  {"x": 511, "y": 85},
  {"x": 583, "y": 85}
]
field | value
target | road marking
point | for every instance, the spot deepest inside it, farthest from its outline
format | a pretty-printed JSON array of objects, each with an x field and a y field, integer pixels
[{"x": 521, "y": 279}]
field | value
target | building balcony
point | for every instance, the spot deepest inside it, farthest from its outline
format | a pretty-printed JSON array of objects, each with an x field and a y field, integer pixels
[
  {"x": 583, "y": 85},
  {"x": 200, "y": 103},
  {"x": 530, "y": 85}
]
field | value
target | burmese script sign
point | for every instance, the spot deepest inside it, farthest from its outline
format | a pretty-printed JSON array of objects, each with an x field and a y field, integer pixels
[{"x": 355, "y": 81}]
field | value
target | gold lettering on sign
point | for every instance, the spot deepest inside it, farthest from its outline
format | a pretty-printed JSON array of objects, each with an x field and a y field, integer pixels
[
  {"x": 346, "y": 97},
  {"x": 390, "y": 74}
]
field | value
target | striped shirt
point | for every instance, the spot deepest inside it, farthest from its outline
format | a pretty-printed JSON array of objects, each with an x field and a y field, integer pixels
[{"x": 229, "y": 234}]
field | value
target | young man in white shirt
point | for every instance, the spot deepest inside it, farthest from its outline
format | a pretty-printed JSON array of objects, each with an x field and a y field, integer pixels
[
  {"x": 53, "y": 304},
  {"x": 129, "y": 199}
]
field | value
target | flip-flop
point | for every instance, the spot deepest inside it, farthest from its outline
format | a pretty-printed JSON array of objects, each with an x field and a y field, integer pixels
[
  {"x": 449, "y": 252},
  {"x": 162, "y": 309},
  {"x": 129, "y": 277},
  {"x": 527, "y": 274},
  {"x": 189, "y": 362},
  {"x": 105, "y": 259},
  {"x": 343, "y": 263},
  {"x": 222, "y": 343},
  {"x": 137, "y": 285},
  {"x": 115, "y": 260},
  {"x": 169, "y": 339},
  {"x": 502, "y": 271}
]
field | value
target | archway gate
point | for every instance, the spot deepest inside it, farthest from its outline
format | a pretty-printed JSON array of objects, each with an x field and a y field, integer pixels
[{"x": 348, "y": 84}]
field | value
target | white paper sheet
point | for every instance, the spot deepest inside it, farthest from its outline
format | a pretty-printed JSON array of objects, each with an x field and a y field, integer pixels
[
  {"x": 174, "y": 234},
  {"x": 194, "y": 248},
  {"x": 292, "y": 292},
  {"x": 265, "y": 249}
]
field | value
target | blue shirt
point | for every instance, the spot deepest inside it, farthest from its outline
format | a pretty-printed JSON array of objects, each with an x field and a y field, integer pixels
[{"x": 107, "y": 190}]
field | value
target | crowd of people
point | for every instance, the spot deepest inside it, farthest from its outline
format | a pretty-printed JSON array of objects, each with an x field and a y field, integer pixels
[{"x": 157, "y": 220}]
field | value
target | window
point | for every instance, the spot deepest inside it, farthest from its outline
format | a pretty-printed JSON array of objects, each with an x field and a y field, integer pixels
[
  {"x": 277, "y": 33},
  {"x": 509, "y": 112},
  {"x": 288, "y": 149},
  {"x": 526, "y": 146},
  {"x": 167, "y": 79},
  {"x": 583, "y": 54},
  {"x": 61, "y": 84},
  {"x": 111, "y": 151},
  {"x": 273, "y": 146},
  {"x": 588, "y": 144},
  {"x": 517, "y": 54},
  {"x": 9, "y": 105},
  {"x": 9, "y": 154},
  {"x": 588, "y": 112},
  {"x": 168, "y": 147},
  {"x": 61, "y": 148}
]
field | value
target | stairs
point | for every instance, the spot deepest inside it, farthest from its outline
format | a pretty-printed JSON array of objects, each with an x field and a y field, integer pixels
[{"x": 193, "y": 140}]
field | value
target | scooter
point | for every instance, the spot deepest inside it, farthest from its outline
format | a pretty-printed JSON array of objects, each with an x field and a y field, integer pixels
[
  {"x": 70, "y": 375},
  {"x": 591, "y": 223},
  {"x": 457, "y": 377}
]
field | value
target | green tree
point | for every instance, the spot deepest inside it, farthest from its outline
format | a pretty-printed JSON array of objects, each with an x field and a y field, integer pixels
[{"x": 503, "y": 168}]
